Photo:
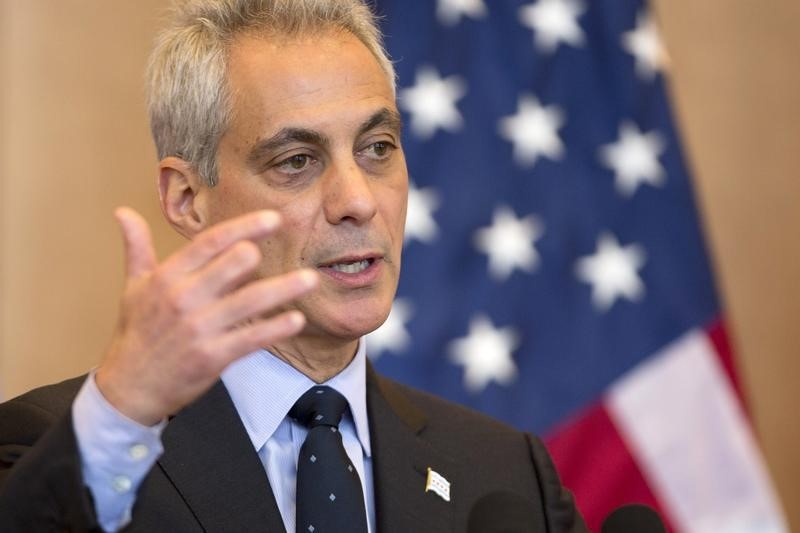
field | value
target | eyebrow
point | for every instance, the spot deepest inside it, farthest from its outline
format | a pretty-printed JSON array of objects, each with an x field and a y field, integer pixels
[
  {"x": 383, "y": 117},
  {"x": 285, "y": 136}
]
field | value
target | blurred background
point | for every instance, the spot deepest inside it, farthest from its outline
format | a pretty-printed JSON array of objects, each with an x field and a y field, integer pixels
[{"x": 74, "y": 143}]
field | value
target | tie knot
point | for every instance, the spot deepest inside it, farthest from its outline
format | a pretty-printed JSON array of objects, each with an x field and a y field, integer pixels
[{"x": 319, "y": 406}]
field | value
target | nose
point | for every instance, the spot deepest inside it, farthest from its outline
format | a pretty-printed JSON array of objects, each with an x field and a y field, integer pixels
[{"x": 349, "y": 195}]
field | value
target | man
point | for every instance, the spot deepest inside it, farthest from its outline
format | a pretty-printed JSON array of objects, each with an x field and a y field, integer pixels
[{"x": 280, "y": 160}]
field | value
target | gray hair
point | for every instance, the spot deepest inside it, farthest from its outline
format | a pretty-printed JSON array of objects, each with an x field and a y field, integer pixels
[{"x": 188, "y": 98}]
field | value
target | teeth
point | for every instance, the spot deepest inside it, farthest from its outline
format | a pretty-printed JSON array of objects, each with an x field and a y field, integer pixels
[{"x": 351, "y": 268}]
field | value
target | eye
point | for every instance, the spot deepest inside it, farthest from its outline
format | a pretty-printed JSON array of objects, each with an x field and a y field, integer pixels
[
  {"x": 379, "y": 150},
  {"x": 295, "y": 164}
]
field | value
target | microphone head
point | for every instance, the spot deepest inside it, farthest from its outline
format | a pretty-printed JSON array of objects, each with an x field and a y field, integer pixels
[
  {"x": 503, "y": 512},
  {"x": 633, "y": 518}
]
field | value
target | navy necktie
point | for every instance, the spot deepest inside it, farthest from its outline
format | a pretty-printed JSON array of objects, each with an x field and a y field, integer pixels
[{"x": 329, "y": 496}]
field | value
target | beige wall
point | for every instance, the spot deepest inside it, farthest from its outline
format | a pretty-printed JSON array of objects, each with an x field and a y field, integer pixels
[
  {"x": 74, "y": 144},
  {"x": 736, "y": 82}
]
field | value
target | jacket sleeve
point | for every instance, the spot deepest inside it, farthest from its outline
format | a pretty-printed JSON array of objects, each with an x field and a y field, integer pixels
[
  {"x": 561, "y": 514},
  {"x": 41, "y": 486}
]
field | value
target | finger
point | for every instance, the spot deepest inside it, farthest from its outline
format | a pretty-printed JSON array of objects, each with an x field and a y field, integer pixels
[
  {"x": 224, "y": 273},
  {"x": 138, "y": 241},
  {"x": 256, "y": 335},
  {"x": 255, "y": 299},
  {"x": 228, "y": 269},
  {"x": 211, "y": 242}
]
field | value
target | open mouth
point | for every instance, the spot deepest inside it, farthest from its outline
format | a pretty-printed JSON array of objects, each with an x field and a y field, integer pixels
[{"x": 353, "y": 267}]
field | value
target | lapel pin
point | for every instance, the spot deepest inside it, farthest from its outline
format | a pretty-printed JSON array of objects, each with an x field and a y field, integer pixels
[{"x": 438, "y": 484}]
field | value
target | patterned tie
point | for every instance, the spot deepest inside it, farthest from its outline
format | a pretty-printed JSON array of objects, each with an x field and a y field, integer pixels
[{"x": 329, "y": 496}]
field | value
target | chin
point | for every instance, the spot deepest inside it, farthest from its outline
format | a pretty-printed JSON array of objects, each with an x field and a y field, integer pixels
[{"x": 354, "y": 323}]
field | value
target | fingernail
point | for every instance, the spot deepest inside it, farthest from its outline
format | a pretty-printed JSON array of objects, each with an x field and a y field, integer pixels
[
  {"x": 297, "y": 319},
  {"x": 308, "y": 278},
  {"x": 269, "y": 219}
]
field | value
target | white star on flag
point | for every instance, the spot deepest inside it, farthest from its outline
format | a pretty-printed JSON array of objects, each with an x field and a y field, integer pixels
[
  {"x": 612, "y": 272},
  {"x": 485, "y": 354},
  {"x": 432, "y": 102},
  {"x": 553, "y": 22},
  {"x": 634, "y": 158},
  {"x": 533, "y": 131},
  {"x": 392, "y": 335},
  {"x": 645, "y": 44},
  {"x": 420, "y": 224},
  {"x": 450, "y": 12},
  {"x": 509, "y": 243}
]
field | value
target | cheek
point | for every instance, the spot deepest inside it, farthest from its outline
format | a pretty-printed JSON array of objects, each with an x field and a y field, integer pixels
[
  {"x": 234, "y": 196},
  {"x": 279, "y": 255},
  {"x": 394, "y": 204},
  {"x": 295, "y": 242}
]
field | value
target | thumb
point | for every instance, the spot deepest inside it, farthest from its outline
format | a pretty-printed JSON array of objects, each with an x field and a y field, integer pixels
[{"x": 139, "y": 254}]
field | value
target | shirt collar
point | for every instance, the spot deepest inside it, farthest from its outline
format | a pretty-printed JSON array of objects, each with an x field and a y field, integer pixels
[{"x": 263, "y": 389}]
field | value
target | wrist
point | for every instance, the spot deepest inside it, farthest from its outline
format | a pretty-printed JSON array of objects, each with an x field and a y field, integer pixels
[{"x": 131, "y": 404}]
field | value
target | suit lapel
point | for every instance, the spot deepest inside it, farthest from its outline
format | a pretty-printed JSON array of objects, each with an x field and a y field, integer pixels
[
  {"x": 400, "y": 462},
  {"x": 211, "y": 462}
]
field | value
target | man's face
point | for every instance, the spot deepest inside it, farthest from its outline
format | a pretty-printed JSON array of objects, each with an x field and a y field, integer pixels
[{"x": 315, "y": 136}]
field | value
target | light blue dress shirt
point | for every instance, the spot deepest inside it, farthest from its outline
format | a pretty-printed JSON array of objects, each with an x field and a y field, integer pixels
[{"x": 117, "y": 453}]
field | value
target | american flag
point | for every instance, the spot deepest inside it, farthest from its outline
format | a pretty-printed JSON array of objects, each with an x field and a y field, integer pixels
[{"x": 555, "y": 274}]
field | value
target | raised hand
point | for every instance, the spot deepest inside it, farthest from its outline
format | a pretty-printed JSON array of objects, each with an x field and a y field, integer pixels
[{"x": 184, "y": 320}]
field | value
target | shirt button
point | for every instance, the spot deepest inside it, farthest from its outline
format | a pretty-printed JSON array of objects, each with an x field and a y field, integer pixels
[
  {"x": 138, "y": 452},
  {"x": 121, "y": 484}
]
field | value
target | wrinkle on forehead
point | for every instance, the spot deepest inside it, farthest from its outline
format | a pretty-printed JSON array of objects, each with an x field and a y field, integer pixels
[
  {"x": 332, "y": 42},
  {"x": 276, "y": 85}
]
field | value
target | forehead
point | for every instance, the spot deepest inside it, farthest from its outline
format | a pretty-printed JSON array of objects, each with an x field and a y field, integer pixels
[{"x": 274, "y": 79}]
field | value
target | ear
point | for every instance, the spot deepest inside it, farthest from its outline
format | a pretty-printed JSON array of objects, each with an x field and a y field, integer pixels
[{"x": 179, "y": 191}]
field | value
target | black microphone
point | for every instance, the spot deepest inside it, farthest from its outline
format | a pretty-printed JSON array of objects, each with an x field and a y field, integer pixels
[
  {"x": 633, "y": 518},
  {"x": 503, "y": 512}
]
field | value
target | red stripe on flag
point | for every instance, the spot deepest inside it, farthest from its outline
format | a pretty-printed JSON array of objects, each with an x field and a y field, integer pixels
[{"x": 596, "y": 465}]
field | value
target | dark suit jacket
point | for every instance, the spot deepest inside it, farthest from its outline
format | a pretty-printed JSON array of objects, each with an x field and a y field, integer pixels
[{"x": 211, "y": 479}]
